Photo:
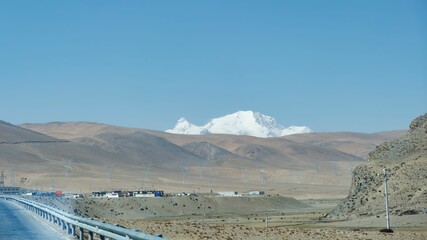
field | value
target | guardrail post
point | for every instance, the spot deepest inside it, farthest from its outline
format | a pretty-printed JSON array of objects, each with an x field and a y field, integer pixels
[
  {"x": 101, "y": 237},
  {"x": 90, "y": 235},
  {"x": 64, "y": 225},
  {"x": 68, "y": 228},
  {"x": 82, "y": 233},
  {"x": 73, "y": 229}
]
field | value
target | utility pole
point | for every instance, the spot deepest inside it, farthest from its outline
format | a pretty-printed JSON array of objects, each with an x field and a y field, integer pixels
[
  {"x": 386, "y": 198},
  {"x": 266, "y": 220},
  {"x": 67, "y": 166},
  {"x": 2, "y": 179},
  {"x": 109, "y": 168},
  {"x": 12, "y": 175},
  {"x": 387, "y": 212}
]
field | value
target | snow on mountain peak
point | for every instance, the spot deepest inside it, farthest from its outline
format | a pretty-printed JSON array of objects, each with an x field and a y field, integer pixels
[
  {"x": 182, "y": 119},
  {"x": 185, "y": 127},
  {"x": 239, "y": 123}
]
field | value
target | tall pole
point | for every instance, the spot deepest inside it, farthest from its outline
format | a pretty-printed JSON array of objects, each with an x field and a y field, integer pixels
[
  {"x": 386, "y": 199},
  {"x": 2, "y": 179},
  {"x": 266, "y": 220}
]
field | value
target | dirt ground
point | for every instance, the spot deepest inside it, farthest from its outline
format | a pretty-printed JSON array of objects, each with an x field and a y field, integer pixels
[
  {"x": 303, "y": 222},
  {"x": 208, "y": 217},
  {"x": 293, "y": 226}
]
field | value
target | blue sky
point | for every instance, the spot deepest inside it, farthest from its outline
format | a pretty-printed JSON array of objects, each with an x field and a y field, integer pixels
[{"x": 330, "y": 65}]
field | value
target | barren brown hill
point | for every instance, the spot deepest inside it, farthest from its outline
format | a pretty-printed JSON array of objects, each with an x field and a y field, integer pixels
[
  {"x": 117, "y": 157},
  {"x": 406, "y": 160},
  {"x": 213, "y": 155},
  {"x": 131, "y": 147},
  {"x": 34, "y": 160},
  {"x": 11, "y": 134},
  {"x": 358, "y": 144},
  {"x": 308, "y": 149},
  {"x": 265, "y": 152},
  {"x": 74, "y": 130}
]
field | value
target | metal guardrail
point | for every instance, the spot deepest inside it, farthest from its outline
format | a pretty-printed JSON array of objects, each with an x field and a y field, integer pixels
[{"x": 69, "y": 222}]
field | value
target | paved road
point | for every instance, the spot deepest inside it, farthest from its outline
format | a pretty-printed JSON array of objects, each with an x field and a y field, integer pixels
[{"x": 18, "y": 223}]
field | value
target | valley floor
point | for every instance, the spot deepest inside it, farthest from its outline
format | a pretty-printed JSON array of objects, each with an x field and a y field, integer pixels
[
  {"x": 307, "y": 223},
  {"x": 207, "y": 217}
]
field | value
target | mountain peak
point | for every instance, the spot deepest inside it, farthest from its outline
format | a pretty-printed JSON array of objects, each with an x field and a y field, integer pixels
[
  {"x": 239, "y": 123},
  {"x": 182, "y": 119}
]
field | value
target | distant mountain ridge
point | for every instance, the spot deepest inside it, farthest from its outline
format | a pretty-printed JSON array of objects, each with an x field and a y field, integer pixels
[
  {"x": 247, "y": 123},
  {"x": 11, "y": 134},
  {"x": 131, "y": 156}
]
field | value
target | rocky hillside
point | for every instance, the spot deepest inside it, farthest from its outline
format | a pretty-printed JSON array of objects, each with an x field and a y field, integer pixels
[
  {"x": 413, "y": 143},
  {"x": 406, "y": 161}
]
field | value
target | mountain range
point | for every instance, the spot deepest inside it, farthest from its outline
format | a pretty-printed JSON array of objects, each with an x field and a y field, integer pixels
[
  {"x": 239, "y": 123},
  {"x": 105, "y": 156}
]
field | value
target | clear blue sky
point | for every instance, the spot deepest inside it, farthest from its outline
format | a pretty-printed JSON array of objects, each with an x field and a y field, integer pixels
[{"x": 330, "y": 65}]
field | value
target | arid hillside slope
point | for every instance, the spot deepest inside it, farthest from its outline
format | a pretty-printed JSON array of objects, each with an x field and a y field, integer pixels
[
  {"x": 406, "y": 162},
  {"x": 82, "y": 156},
  {"x": 11, "y": 134}
]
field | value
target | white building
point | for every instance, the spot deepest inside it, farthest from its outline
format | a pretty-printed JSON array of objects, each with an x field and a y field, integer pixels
[
  {"x": 136, "y": 194},
  {"x": 112, "y": 195},
  {"x": 229, "y": 194},
  {"x": 256, "y": 193}
]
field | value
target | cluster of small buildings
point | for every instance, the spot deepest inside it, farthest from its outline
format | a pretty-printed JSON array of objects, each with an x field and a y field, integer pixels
[
  {"x": 237, "y": 194},
  {"x": 44, "y": 194},
  {"x": 8, "y": 190},
  {"x": 118, "y": 194},
  {"x": 156, "y": 193},
  {"x": 113, "y": 194}
]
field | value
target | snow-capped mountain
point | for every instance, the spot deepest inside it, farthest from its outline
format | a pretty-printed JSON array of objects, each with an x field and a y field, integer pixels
[{"x": 239, "y": 123}]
